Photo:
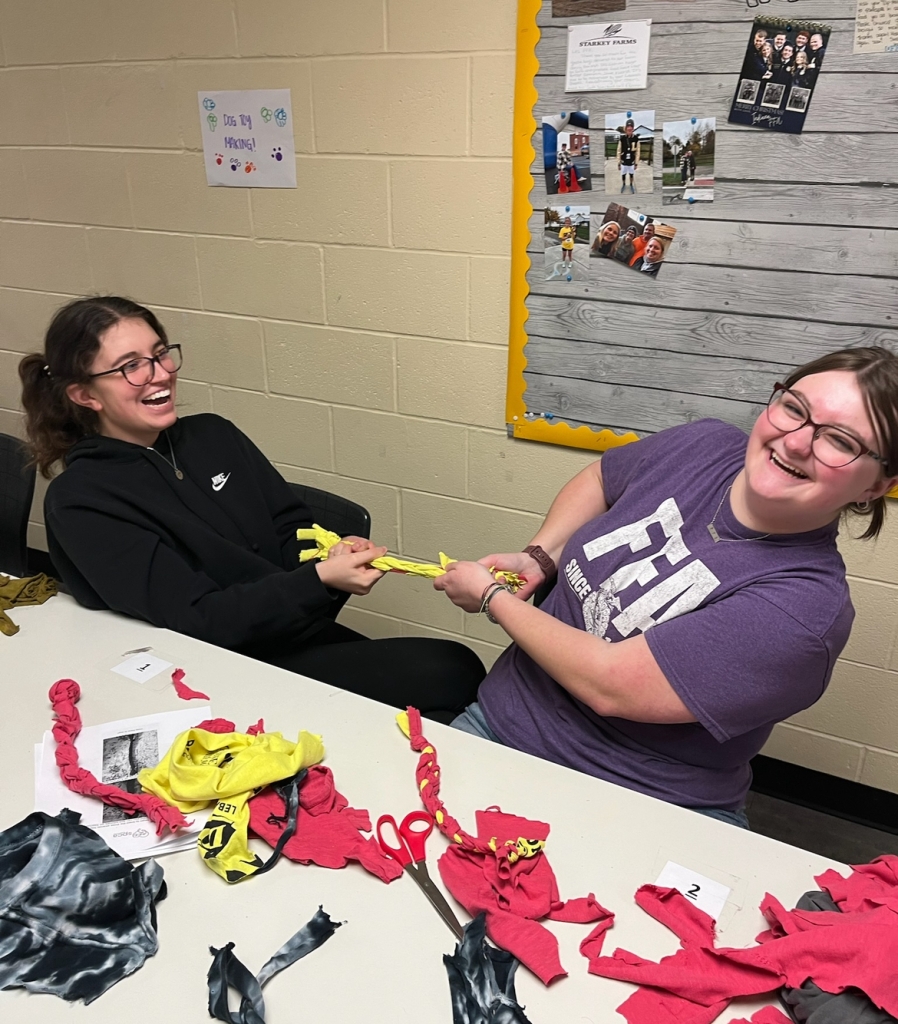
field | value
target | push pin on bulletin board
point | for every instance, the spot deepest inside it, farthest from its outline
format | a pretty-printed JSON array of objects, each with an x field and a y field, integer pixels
[
  {"x": 691, "y": 199},
  {"x": 629, "y": 113},
  {"x": 564, "y": 113},
  {"x": 694, "y": 120}
]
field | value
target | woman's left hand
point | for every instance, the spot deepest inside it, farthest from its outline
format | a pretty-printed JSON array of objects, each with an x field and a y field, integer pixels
[{"x": 464, "y": 583}]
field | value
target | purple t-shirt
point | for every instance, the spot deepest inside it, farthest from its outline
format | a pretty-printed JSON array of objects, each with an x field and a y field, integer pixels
[{"x": 746, "y": 630}]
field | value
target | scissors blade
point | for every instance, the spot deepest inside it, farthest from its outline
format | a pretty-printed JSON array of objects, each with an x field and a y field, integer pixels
[{"x": 437, "y": 899}]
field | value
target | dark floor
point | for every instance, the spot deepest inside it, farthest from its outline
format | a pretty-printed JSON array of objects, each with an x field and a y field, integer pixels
[{"x": 820, "y": 833}]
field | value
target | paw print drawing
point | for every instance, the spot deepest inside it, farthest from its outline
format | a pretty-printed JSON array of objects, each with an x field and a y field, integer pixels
[
  {"x": 266, "y": 114},
  {"x": 276, "y": 154},
  {"x": 250, "y": 167},
  {"x": 280, "y": 117},
  {"x": 218, "y": 158},
  {"x": 235, "y": 163}
]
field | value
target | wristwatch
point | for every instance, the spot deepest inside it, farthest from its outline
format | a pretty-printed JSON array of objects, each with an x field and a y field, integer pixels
[{"x": 542, "y": 559}]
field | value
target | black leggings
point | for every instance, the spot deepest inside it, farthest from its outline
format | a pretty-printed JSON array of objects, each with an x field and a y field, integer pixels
[{"x": 439, "y": 677}]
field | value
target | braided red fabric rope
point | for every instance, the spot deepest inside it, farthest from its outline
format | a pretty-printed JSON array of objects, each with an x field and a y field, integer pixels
[
  {"x": 64, "y": 695},
  {"x": 427, "y": 775}
]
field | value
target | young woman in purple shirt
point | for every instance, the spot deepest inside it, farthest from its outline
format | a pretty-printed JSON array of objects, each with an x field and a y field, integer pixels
[{"x": 700, "y": 597}]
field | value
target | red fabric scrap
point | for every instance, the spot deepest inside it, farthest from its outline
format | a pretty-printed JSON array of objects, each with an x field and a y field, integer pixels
[
  {"x": 220, "y": 725},
  {"x": 64, "y": 695},
  {"x": 254, "y": 730},
  {"x": 516, "y": 896},
  {"x": 853, "y": 949},
  {"x": 183, "y": 690},
  {"x": 328, "y": 831},
  {"x": 514, "y": 892},
  {"x": 769, "y": 1015}
]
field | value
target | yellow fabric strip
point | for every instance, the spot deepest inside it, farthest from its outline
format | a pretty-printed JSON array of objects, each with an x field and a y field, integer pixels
[{"x": 325, "y": 540}]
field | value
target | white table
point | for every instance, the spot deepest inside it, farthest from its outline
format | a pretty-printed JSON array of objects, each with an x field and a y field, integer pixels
[{"x": 385, "y": 964}]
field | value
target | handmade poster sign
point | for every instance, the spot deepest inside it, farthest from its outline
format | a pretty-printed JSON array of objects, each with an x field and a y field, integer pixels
[
  {"x": 632, "y": 239},
  {"x": 248, "y": 138},
  {"x": 876, "y": 26},
  {"x": 608, "y": 57},
  {"x": 566, "y": 241},
  {"x": 629, "y": 151},
  {"x": 782, "y": 62},
  {"x": 566, "y": 152},
  {"x": 688, "y": 174}
]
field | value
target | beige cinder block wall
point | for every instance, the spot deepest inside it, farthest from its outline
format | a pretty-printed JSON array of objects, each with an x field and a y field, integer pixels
[{"x": 354, "y": 327}]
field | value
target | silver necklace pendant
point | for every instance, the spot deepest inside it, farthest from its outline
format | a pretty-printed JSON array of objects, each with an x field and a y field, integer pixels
[
  {"x": 715, "y": 536},
  {"x": 179, "y": 474}
]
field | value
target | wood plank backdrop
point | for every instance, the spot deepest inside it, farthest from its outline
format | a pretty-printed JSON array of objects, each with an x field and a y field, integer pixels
[{"x": 796, "y": 256}]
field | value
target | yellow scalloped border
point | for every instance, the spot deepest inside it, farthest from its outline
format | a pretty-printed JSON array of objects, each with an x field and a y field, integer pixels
[{"x": 523, "y": 155}]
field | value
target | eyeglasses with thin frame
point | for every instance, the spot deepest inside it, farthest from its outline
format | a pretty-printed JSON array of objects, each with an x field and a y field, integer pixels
[
  {"x": 832, "y": 446},
  {"x": 141, "y": 371}
]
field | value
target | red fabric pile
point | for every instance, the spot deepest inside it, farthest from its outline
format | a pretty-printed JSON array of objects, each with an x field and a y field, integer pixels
[
  {"x": 328, "y": 831},
  {"x": 504, "y": 872},
  {"x": 857, "y": 948}
]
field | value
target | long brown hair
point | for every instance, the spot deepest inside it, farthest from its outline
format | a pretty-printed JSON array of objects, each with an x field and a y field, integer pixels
[
  {"x": 876, "y": 370},
  {"x": 53, "y": 422}
]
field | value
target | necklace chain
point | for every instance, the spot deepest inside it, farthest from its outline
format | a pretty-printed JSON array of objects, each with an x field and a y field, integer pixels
[
  {"x": 712, "y": 529},
  {"x": 173, "y": 462}
]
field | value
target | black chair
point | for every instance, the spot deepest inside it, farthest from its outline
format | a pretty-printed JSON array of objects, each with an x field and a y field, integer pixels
[
  {"x": 337, "y": 514},
  {"x": 333, "y": 512},
  {"x": 16, "y": 492}
]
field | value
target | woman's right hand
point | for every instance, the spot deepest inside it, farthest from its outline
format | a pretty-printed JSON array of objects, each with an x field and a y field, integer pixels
[
  {"x": 347, "y": 569},
  {"x": 521, "y": 563}
]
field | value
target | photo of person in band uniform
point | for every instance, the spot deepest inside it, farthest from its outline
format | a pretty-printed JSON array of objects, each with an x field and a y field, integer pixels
[{"x": 779, "y": 73}]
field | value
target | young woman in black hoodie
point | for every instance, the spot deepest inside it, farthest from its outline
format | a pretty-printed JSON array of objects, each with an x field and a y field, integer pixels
[{"x": 183, "y": 522}]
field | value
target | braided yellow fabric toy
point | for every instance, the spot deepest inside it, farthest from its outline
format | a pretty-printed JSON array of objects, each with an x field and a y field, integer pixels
[{"x": 325, "y": 540}]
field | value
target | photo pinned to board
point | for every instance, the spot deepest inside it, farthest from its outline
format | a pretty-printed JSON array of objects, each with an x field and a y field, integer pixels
[
  {"x": 574, "y": 8},
  {"x": 566, "y": 152},
  {"x": 629, "y": 152},
  {"x": 631, "y": 238},
  {"x": 688, "y": 160},
  {"x": 780, "y": 70},
  {"x": 566, "y": 242}
]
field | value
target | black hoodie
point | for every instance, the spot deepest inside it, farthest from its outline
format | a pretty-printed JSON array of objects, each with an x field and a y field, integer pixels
[{"x": 213, "y": 555}]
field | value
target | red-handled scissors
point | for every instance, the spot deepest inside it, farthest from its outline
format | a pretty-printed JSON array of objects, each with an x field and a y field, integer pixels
[{"x": 410, "y": 836}]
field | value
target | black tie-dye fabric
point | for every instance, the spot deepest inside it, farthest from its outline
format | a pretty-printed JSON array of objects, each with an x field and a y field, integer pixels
[
  {"x": 228, "y": 972},
  {"x": 75, "y": 917},
  {"x": 481, "y": 980}
]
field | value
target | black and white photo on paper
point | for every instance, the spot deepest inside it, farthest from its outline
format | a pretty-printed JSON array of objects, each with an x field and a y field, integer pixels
[
  {"x": 782, "y": 64},
  {"x": 123, "y": 758},
  {"x": 798, "y": 99}
]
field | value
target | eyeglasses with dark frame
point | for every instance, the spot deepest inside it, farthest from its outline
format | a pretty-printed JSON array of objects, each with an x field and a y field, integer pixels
[
  {"x": 138, "y": 372},
  {"x": 832, "y": 446}
]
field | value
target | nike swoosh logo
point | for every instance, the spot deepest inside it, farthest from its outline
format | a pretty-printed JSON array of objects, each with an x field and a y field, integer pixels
[{"x": 218, "y": 483}]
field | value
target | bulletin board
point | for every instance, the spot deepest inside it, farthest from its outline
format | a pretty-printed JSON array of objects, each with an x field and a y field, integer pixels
[{"x": 796, "y": 256}]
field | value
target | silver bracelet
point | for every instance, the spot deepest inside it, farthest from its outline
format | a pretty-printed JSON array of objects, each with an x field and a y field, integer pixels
[{"x": 486, "y": 601}]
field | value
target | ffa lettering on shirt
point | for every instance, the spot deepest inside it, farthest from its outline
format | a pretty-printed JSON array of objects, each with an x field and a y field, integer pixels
[{"x": 614, "y": 604}]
